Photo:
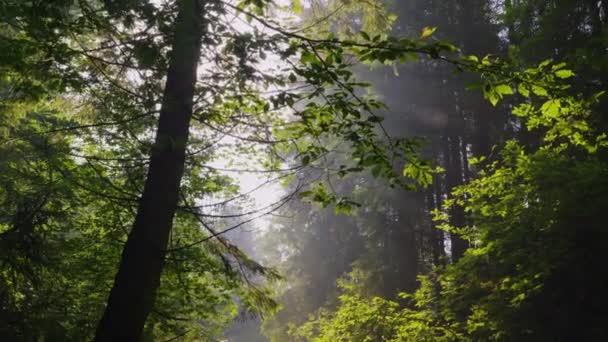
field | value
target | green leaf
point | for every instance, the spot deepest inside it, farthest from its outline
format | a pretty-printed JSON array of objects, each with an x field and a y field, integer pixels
[
  {"x": 503, "y": 89},
  {"x": 492, "y": 98},
  {"x": 427, "y": 32},
  {"x": 523, "y": 90},
  {"x": 308, "y": 57},
  {"x": 545, "y": 63},
  {"x": 489, "y": 92},
  {"x": 343, "y": 207},
  {"x": 296, "y": 6},
  {"x": 473, "y": 58},
  {"x": 538, "y": 90},
  {"x": 558, "y": 66},
  {"x": 564, "y": 73},
  {"x": 551, "y": 108}
]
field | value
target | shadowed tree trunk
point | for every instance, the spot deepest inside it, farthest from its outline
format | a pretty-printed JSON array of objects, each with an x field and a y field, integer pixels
[
  {"x": 434, "y": 200},
  {"x": 133, "y": 294},
  {"x": 454, "y": 179},
  {"x": 406, "y": 256}
]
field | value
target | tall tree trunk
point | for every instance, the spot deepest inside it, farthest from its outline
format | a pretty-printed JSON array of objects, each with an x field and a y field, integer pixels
[
  {"x": 434, "y": 197},
  {"x": 133, "y": 294},
  {"x": 405, "y": 246},
  {"x": 437, "y": 235},
  {"x": 454, "y": 179}
]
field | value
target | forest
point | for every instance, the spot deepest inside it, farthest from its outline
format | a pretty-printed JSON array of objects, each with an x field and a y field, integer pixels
[{"x": 303, "y": 170}]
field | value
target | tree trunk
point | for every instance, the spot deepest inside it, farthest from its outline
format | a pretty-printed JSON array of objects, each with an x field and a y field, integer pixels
[
  {"x": 133, "y": 294},
  {"x": 404, "y": 245},
  {"x": 454, "y": 179},
  {"x": 434, "y": 195}
]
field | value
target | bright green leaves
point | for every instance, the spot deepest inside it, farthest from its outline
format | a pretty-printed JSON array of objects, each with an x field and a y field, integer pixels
[
  {"x": 427, "y": 32},
  {"x": 495, "y": 93},
  {"x": 565, "y": 120},
  {"x": 523, "y": 89},
  {"x": 548, "y": 104},
  {"x": 564, "y": 73},
  {"x": 471, "y": 58},
  {"x": 333, "y": 108},
  {"x": 503, "y": 89},
  {"x": 359, "y": 318},
  {"x": 551, "y": 108},
  {"x": 539, "y": 90},
  {"x": 560, "y": 70},
  {"x": 499, "y": 78},
  {"x": 517, "y": 203},
  {"x": 420, "y": 172},
  {"x": 522, "y": 207}
]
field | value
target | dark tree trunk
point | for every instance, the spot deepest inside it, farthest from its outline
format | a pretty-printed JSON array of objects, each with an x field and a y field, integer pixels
[
  {"x": 434, "y": 200},
  {"x": 133, "y": 294},
  {"x": 405, "y": 254},
  {"x": 453, "y": 179},
  {"x": 437, "y": 237}
]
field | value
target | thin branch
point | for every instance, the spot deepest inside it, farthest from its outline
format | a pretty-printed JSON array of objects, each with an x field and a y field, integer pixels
[
  {"x": 73, "y": 128},
  {"x": 280, "y": 204}
]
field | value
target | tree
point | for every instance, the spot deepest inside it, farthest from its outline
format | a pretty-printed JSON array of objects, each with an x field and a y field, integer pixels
[
  {"x": 80, "y": 86},
  {"x": 138, "y": 278}
]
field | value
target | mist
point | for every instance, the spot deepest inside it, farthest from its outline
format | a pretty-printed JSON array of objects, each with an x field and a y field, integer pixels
[{"x": 391, "y": 238}]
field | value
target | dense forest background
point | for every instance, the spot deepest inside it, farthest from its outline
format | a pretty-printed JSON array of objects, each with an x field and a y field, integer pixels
[
  {"x": 205, "y": 170},
  {"x": 520, "y": 280}
]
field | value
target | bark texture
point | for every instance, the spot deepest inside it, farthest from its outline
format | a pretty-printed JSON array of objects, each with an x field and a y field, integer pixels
[{"x": 133, "y": 294}]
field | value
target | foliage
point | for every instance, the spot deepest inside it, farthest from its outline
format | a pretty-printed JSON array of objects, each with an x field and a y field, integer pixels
[
  {"x": 80, "y": 87},
  {"x": 377, "y": 319},
  {"x": 345, "y": 18},
  {"x": 61, "y": 231},
  {"x": 74, "y": 140},
  {"x": 536, "y": 215},
  {"x": 494, "y": 292}
]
